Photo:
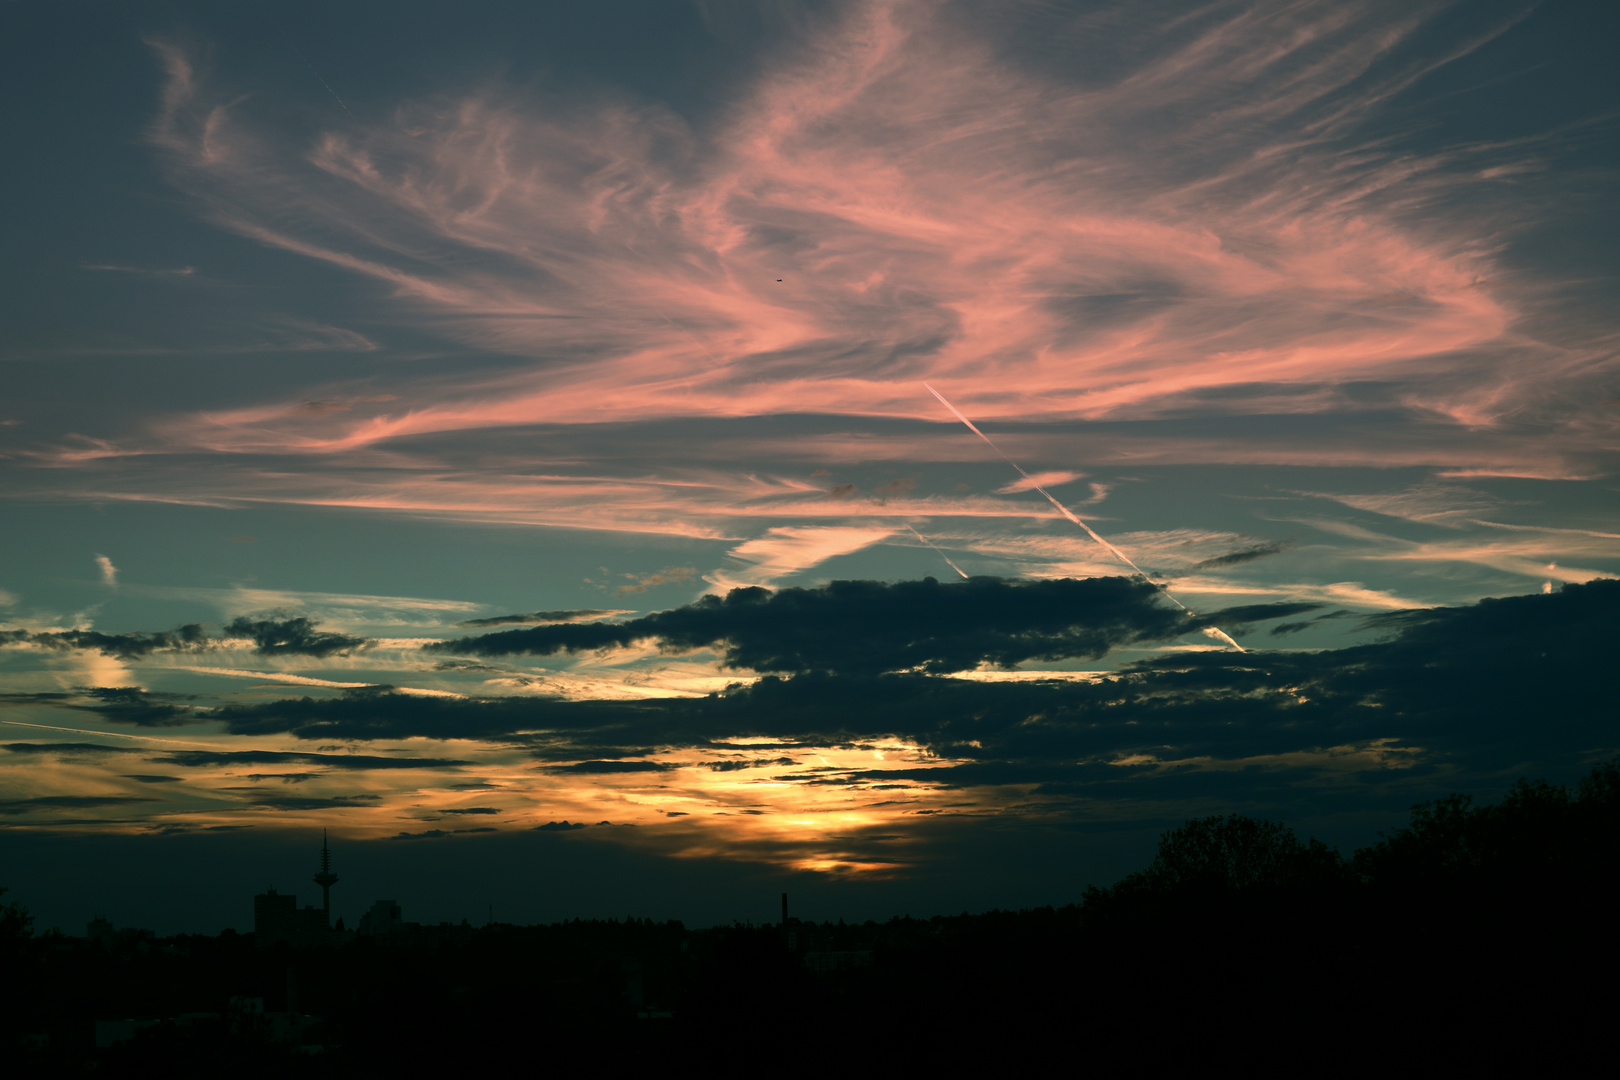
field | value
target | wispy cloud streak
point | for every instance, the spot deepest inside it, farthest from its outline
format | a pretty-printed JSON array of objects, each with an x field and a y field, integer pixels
[
  {"x": 1212, "y": 631},
  {"x": 937, "y": 551},
  {"x": 892, "y": 201}
]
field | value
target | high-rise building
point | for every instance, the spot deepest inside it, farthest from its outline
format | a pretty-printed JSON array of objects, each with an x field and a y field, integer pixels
[
  {"x": 275, "y": 919},
  {"x": 384, "y": 917}
]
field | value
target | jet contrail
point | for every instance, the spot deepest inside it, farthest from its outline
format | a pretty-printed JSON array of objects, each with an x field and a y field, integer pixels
[
  {"x": 108, "y": 734},
  {"x": 288, "y": 39},
  {"x": 1211, "y": 631},
  {"x": 941, "y": 554}
]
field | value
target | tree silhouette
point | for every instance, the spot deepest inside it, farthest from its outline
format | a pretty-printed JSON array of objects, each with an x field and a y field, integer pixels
[{"x": 1229, "y": 855}]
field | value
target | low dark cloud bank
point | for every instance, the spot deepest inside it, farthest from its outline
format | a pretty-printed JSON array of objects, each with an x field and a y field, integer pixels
[
  {"x": 869, "y": 627},
  {"x": 1497, "y": 685},
  {"x": 1517, "y": 684}
]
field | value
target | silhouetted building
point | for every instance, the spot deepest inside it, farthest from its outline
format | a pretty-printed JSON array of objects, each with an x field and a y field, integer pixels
[
  {"x": 100, "y": 930},
  {"x": 277, "y": 918},
  {"x": 313, "y": 928},
  {"x": 385, "y": 917},
  {"x": 790, "y": 933}
]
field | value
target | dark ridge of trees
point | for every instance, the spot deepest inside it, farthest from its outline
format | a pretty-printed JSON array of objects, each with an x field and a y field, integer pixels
[{"x": 1476, "y": 936}]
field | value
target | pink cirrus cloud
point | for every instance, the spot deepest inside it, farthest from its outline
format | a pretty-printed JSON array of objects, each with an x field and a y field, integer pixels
[{"x": 894, "y": 202}]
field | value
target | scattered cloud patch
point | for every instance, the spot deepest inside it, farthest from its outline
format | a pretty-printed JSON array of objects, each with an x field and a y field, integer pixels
[
  {"x": 1040, "y": 479},
  {"x": 791, "y": 549},
  {"x": 669, "y": 575},
  {"x": 539, "y": 618},
  {"x": 200, "y": 759},
  {"x": 120, "y": 646},
  {"x": 603, "y": 768},
  {"x": 67, "y": 749},
  {"x": 1242, "y": 555},
  {"x": 274, "y": 801},
  {"x": 560, "y": 826},
  {"x": 68, "y": 802},
  {"x": 292, "y": 637},
  {"x": 133, "y": 705}
]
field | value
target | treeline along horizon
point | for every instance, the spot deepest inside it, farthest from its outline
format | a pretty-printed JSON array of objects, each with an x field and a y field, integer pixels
[{"x": 1475, "y": 933}]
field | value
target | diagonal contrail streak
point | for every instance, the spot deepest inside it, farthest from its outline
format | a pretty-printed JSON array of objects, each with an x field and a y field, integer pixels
[
  {"x": 108, "y": 734},
  {"x": 1212, "y": 631},
  {"x": 941, "y": 554}
]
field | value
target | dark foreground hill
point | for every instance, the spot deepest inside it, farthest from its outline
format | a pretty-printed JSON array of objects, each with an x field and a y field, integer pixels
[{"x": 1475, "y": 937}]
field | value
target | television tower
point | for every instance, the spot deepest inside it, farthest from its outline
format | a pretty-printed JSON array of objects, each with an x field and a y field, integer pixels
[{"x": 326, "y": 879}]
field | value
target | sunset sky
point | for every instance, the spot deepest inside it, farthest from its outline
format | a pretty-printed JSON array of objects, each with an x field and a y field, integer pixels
[{"x": 501, "y": 434}]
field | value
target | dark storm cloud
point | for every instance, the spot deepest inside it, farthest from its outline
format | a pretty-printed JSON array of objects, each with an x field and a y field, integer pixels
[
  {"x": 733, "y": 766},
  {"x": 73, "y": 802},
  {"x": 540, "y": 617},
  {"x": 867, "y": 627},
  {"x": 1492, "y": 684},
  {"x": 205, "y": 758},
  {"x": 151, "y": 778},
  {"x": 559, "y": 826},
  {"x": 291, "y": 637},
  {"x": 469, "y": 810}
]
